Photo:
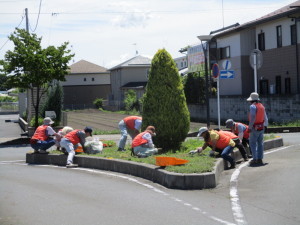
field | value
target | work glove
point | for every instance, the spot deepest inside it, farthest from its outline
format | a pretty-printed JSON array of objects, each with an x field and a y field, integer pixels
[{"x": 193, "y": 152}]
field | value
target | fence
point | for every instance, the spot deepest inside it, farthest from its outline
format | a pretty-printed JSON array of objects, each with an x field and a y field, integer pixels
[{"x": 9, "y": 107}]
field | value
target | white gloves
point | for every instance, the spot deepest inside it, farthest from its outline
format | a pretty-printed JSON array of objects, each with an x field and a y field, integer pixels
[
  {"x": 193, "y": 152},
  {"x": 198, "y": 150}
]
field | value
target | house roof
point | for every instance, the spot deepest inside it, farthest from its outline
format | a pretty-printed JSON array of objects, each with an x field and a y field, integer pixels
[
  {"x": 136, "y": 61},
  {"x": 135, "y": 85},
  {"x": 83, "y": 66},
  {"x": 287, "y": 10}
]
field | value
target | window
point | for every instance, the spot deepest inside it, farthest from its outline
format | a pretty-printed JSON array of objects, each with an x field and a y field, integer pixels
[
  {"x": 264, "y": 84},
  {"x": 84, "y": 79},
  {"x": 293, "y": 35},
  {"x": 278, "y": 85},
  {"x": 261, "y": 41},
  {"x": 279, "y": 36},
  {"x": 288, "y": 85},
  {"x": 224, "y": 53}
]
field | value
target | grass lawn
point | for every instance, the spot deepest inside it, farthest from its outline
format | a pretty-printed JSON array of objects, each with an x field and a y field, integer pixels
[{"x": 198, "y": 163}]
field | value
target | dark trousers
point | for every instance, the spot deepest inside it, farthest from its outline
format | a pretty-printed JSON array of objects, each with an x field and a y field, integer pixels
[
  {"x": 241, "y": 148},
  {"x": 43, "y": 145},
  {"x": 246, "y": 144}
]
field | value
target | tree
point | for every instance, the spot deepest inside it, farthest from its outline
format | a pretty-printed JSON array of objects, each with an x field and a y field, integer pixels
[
  {"x": 194, "y": 89},
  {"x": 164, "y": 104},
  {"x": 32, "y": 67},
  {"x": 54, "y": 101}
]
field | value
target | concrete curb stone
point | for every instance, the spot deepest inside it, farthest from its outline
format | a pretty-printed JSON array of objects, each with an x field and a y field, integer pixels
[{"x": 150, "y": 172}]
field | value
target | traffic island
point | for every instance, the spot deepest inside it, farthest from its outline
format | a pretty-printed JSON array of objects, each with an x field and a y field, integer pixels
[{"x": 150, "y": 172}]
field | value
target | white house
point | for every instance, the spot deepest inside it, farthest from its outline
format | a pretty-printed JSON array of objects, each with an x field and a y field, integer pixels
[
  {"x": 131, "y": 74},
  {"x": 85, "y": 83}
]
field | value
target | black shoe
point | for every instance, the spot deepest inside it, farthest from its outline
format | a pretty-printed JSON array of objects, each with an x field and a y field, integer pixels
[
  {"x": 253, "y": 162},
  {"x": 232, "y": 166},
  {"x": 259, "y": 162},
  {"x": 121, "y": 149}
]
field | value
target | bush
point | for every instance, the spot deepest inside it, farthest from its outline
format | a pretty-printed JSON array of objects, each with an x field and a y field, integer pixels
[
  {"x": 54, "y": 102},
  {"x": 164, "y": 104},
  {"x": 98, "y": 103},
  {"x": 131, "y": 102}
]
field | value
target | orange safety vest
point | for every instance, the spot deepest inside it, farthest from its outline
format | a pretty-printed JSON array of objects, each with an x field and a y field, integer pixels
[
  {"x": 260, "y": 113},
  {"x": 222, "y": 142},
  {"x": 229, "y": 134},
  {"x": 246, "y": 132},
  {"x": 129, "y": 121},
  {"x": 139, "y": 140},
  {"x": 40, "y": 133},
  {"x": 72, "y": 137}
]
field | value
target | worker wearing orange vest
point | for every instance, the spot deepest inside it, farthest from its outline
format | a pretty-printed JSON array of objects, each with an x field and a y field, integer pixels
[
  {"x": 258, "y": 121},
  {"x": 219, "y": 141},
  {"x": 237, "y": 142},
  {"x": 129, "y": 125},
  {"x": 143, "y": 145},
  {"x": 242, "y": 131},
  {"x": 70, "y": 141},
  {"x": 41, "y": 139}
]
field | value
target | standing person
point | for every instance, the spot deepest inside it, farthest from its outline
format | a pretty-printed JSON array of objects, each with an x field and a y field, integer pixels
[
  {"x": 242, "y": 131},
  {"x": 70, "y": 142},
  {"x": 217, "y": 141},
  {"x": 129, "y": 125},
  {"x": 258, "y": 121},
  {"x": 41, "y": 139},
  {"x": 143, "y": 145}
]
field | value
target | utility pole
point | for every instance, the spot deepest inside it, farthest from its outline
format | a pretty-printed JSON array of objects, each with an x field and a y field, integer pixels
[{"x": 27, "y": 24}]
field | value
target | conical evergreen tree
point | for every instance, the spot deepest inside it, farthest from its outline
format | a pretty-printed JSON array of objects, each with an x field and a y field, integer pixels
[{"x": 164, "y": 104}]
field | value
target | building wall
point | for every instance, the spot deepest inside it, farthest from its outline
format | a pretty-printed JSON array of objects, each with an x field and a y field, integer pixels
[
  {"x": 78, "y": 79},
  {"x": 120, "y": 77},
  {"x": 81, "y": 96},
  {"x": 279, "y": 109}
]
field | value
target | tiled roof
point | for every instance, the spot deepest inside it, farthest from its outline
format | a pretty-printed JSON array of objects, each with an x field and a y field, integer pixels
[
  {"x": 86, "y": 67},
  {"x": 134, "y": 62}
]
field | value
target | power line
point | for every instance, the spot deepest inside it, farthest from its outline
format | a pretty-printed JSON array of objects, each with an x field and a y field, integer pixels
[
  {"x": 17, "y": 27},
  {"x": 37, "y": 21}
]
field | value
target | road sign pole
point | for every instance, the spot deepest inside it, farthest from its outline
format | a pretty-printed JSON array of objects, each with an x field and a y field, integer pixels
[
  {"x": 255, "y": 71},
  {"x": 218, "y": 90}
]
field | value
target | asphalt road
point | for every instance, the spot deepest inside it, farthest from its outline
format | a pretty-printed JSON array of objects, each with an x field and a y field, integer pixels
[{"x": 34, "y": 195}]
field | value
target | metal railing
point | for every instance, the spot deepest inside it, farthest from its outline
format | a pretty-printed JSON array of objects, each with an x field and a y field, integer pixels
[{"x": 9, "y": 107}]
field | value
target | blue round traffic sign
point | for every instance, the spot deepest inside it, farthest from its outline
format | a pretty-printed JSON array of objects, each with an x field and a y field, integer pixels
[{"x": 215, "y": 70}]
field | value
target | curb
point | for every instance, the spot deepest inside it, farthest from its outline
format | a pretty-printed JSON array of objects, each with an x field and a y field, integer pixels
[{"x": 150, "y": 172}]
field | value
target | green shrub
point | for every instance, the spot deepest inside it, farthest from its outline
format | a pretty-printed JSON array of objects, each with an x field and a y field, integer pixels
[
  {"x": 164, "y": 104},
  {"x": 98, "y": 103},
  {"x": 131, "y": 102},
  {"x": 54, "y": 102}
]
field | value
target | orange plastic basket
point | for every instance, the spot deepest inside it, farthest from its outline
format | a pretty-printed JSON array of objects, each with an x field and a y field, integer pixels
[
  {"x": 169, "y": 161},
  {"x": 79, "y": 149}
]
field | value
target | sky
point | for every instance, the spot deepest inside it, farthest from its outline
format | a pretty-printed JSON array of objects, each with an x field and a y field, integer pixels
[{"x": 109, "y": 32}]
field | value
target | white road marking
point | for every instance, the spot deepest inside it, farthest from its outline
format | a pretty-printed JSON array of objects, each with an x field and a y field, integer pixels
[
  {"x": 150, "y": 187},
  {"x": 234, "y": 196}
]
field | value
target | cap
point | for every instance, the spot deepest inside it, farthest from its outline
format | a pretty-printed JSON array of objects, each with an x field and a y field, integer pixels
[
  {"x": 48, "y": 121},
  {"x": 201, "y": 131},
  {"x": 88, "y": 130},
  {"x": 253, "y": 97},
  {"x": 66, "y": 130},
  {"x": 151, "y": 130},
  {"x": 229, "y": 123}
]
